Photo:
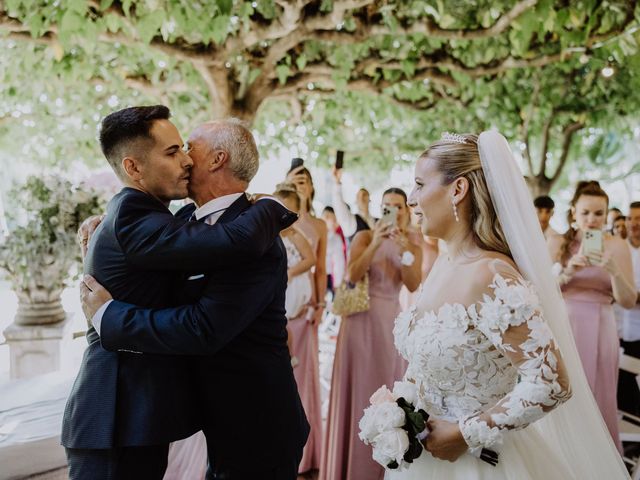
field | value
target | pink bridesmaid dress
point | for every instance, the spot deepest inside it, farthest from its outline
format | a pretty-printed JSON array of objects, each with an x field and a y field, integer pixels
[
  {"x": 589, "y": 298},
  {"x": 187, "y": 459},
  {"x": 307, "y": 372},
  {"x": 365, "y": 359}
]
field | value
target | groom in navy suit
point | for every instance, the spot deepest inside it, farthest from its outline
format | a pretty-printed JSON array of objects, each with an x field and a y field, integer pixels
[
  {"x": 234, "y": 319},
  {"x": 125, "y": 407}
]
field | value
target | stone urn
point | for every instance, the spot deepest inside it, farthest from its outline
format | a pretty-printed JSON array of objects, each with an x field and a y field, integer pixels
[
  {"x": 40, "y": 253},
  {"x": 39, "y": 288}
]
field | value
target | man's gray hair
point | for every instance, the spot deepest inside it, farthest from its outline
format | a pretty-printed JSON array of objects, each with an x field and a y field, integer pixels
[{"x": 234, "y": 137}]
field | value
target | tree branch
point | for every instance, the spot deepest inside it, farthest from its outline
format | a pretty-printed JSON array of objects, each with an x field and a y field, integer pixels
[
  {"x": 546, "y": 130},
  {"x": 431, "y": 29},
  {"x": 568, "y": 133},
  {"x": 527, "y": 123}
]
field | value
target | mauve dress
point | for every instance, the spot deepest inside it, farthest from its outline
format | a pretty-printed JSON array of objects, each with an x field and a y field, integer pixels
[
  {"x": 187, "y": 459},
  {"x": 589, "y": 298},
  {"x": 365, "y": 359},
  {"x": 307, "y": 373}
]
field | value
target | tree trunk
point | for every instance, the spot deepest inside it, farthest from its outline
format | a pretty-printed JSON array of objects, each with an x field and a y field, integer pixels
[
  {"x": 539, "y": 185},
  {"x": 220, "y": 85}
]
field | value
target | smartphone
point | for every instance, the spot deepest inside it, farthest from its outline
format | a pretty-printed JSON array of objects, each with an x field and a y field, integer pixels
[
  {"x": 339, "y": 160},
  {"x": 296, "y": 162},
  {"x": 389, "y": 215},
  {"x": 593, "y": 242}
]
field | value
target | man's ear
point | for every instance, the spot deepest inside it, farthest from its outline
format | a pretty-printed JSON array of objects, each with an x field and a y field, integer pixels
[
  {"x": 132, "y": 167},
  {"x": 218, "y": 160}
]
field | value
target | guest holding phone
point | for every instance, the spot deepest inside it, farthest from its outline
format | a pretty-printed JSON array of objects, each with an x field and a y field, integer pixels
[
  {"x": 365, "y": 355},
  {"x": 304, "y": 328},
  {"x": 594, "y": 270},
  {"x": 351, "y": 223}
]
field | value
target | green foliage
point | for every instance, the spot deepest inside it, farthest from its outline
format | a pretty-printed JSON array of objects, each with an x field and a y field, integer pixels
[
  {"x": 89, "y": 58},
  {"x": 43, "y": 236}
]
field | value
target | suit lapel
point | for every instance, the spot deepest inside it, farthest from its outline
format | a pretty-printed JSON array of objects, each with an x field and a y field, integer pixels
[{"x": 235, "y": 209}]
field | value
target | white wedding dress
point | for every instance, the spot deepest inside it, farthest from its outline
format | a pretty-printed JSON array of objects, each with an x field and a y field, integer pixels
[
  {"x": 492, "y": 367},
  {"x": 487, "y": 358}
]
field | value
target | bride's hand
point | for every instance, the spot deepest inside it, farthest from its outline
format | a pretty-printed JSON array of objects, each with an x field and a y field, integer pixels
[{"x": 445, "y": 441}]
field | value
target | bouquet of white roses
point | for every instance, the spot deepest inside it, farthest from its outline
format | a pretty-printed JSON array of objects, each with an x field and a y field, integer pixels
[{"x": 395, "y": 429}]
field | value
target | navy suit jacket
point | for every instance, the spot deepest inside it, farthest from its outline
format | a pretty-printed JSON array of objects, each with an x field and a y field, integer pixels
[
  {"x": 244, "y": 379},
  {"x": 137, "y": 252}
]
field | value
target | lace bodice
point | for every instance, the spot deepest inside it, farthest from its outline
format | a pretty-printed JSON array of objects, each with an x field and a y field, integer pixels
[
  {"x": 491, "y": 366},
  {"x": 293, "y": 255}
]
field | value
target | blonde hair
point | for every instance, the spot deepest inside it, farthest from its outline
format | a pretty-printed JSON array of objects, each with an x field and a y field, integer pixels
[
  {"x": 460, "y": 158},
  {"x": 286, "y": 191}
]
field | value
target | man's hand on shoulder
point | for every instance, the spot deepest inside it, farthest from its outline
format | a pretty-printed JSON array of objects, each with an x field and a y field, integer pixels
[
  {"x": 254, "y": 197},
  {"x": 86, "y": 231},
  {"x": 93, "y": 296}
]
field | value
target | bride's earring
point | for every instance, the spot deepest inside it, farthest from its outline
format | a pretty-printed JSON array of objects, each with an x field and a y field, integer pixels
[
  {"x": 574, "y": 225},
  {"x": 455, "y": 210}
]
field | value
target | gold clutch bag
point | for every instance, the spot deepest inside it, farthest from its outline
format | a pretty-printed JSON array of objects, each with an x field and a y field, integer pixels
[{"x": 350, "y": 298}]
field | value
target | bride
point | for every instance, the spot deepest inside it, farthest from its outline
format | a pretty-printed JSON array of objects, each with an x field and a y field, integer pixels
[{"x": 488, "y": 342}]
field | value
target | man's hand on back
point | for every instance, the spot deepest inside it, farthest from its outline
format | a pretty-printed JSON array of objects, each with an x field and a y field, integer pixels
[
  {"x": 86, "y": 230},
  {"x": 93, "y": 296}
]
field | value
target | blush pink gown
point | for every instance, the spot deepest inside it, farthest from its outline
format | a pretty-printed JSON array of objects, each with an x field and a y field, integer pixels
[
  {"x": 365, "y": 358},
  {"x": 187, "y": 459},
  {"x": 589, "y": 298},
  {"x": 307, "y": 372}
]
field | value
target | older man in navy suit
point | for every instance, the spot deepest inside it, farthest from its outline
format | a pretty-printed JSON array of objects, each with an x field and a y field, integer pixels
[{"x": 125, "y": 407}]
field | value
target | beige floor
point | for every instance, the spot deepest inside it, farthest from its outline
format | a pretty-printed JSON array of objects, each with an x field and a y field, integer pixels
[{"x": 61, "y": 474}]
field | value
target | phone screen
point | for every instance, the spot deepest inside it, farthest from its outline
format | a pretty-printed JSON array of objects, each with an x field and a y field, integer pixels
[
  {"x": 592, "y": 242},
  {"x": 390, "y": 215},
  {"x": 340, "y": 159}
]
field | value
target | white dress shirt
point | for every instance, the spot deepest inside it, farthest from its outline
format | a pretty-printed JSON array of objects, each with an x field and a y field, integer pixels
[
  {"x": 629, "y": 319},
  {"x": 211, "y": 212}
]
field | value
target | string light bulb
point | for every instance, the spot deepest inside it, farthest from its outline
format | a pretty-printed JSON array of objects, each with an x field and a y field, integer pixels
[{"x": 608, "y": 71}]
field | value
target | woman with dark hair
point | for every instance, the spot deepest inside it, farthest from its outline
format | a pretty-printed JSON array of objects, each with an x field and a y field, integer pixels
[
  {"x": 304, "y": 327},
  {"x": 365, "y": 355},
  {"x": 591, "y": 281}
]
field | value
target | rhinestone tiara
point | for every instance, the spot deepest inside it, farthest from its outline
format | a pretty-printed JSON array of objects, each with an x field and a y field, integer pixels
[{"x": 453, "y": 137}]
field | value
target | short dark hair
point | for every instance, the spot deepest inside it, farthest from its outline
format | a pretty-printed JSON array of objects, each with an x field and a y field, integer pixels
[
  {"x": 615, "y": 209},
  {"x": 634, "y": 205},
  {"x": 544, "y": 201},
  {"x": 621, "y": 217},
  {"x": 119, "y": 129},
  {"x": 328, "y": 209}
]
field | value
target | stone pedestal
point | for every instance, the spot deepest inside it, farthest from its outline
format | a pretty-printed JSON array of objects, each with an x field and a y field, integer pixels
[{"x": 36, "y": 349}]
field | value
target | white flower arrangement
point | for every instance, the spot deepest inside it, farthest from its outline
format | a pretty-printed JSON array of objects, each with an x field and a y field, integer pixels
[
  {"x": 395, "y": 427},
  {"x": 40, "y": 250},
  {"x": 390, "y": 425}
]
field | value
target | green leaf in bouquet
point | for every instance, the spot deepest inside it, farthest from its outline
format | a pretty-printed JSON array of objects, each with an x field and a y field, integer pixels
[{"x": 414, "y": 451}]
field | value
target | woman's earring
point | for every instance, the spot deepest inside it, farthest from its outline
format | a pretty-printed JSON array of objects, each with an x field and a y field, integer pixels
[
  {"x": 574, "y": 225},
  {"x": 455, "y": 210}
]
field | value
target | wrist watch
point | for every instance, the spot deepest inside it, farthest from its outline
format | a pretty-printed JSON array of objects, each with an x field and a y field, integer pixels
[{"x": 407, "y": 258}]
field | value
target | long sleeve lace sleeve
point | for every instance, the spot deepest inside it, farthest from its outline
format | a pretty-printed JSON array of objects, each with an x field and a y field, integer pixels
[{"x": 510, "y": 317}]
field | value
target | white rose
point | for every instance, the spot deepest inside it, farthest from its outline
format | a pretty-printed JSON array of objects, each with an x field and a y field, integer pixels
[
  {"x": 389, "y": 446},
  {"x": 368, "y": 427},
  {"x": 388, "y": 416},
  {"x": 382, "y": 395},
  {"x": 406, "y": 390}
]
